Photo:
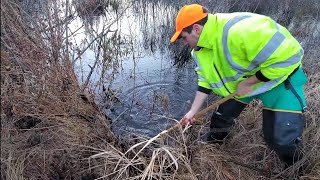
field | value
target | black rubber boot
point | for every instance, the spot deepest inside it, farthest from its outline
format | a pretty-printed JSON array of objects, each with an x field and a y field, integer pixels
[
  {"x": 282, "y": 132},
  {"x": 223, "y": 119}
]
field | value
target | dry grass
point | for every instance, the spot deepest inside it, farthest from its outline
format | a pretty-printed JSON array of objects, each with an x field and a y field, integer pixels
[
  {"x": 46, "y": 122},
  {"x": 244, "y": 155},
  {"x": 51, "y": 130}
]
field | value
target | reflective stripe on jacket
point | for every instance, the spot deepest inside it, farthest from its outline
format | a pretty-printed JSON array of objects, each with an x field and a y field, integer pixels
[{"x": 235, "y": 46}]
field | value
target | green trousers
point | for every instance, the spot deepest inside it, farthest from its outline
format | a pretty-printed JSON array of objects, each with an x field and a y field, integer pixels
[
  {"x": 281, "y": 98},
  {"x": 283, "y": 120}
]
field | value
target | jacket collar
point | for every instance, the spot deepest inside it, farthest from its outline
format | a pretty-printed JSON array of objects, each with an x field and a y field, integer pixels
[{"x": 208, "y": 34}]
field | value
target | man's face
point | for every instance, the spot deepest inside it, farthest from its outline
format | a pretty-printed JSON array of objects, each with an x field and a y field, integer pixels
[{"x": 190, "y": 39}]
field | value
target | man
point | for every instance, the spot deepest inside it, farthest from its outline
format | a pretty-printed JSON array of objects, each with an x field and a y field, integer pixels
[{"x": 255, "y": 57}]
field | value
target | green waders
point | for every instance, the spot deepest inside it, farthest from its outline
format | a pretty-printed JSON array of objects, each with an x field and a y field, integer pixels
[{"x": 283, "y": 119}]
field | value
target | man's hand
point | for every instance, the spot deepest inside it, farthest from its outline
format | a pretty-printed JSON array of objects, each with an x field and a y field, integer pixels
[
  {"x": 188, "y": 118},
  {"x": 245, "y": 87}
]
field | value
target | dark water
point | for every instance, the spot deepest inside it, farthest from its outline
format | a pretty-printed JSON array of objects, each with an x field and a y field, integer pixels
[
  {"x": 146, "y": 92},
  {"x": 154, "y": 97},
  {"x": 155, "y": 102}
]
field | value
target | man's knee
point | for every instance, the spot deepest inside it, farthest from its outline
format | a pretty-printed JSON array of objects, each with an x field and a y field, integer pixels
[
  {"x": 282, "y": 132},
  {"x": 282, "y": 128}
]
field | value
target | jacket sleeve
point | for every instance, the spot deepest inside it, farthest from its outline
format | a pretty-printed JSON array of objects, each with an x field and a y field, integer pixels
[
  {"x": 259, "y": 43},
  {"x": 204, "y": 90},
  {"x": 202, "y": 82}
]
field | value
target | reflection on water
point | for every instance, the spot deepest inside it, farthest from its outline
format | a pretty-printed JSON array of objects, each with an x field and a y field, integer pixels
[
  {"x": 157, "y": 95},
  {"x": 151, "y": 108},
  {"x": 135, "y": 80}
]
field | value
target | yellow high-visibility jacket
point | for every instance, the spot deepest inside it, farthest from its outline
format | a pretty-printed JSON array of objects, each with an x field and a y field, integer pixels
[{"x": 235, "y": 46}]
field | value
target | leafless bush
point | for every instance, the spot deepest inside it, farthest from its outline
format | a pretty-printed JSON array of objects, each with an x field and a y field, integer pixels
[{"x": 47, "y": 123}]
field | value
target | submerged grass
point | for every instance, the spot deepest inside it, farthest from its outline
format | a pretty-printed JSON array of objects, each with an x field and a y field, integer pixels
[{"x": 52, "y": 129}]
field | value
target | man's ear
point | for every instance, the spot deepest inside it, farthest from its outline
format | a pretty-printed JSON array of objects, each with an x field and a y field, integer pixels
[{"x": 197, "y": 28}]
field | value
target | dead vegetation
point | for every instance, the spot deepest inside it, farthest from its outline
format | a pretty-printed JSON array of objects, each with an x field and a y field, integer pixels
[
  {"x": 47, "y": 125},
  {"x": 51, "y": 130}
]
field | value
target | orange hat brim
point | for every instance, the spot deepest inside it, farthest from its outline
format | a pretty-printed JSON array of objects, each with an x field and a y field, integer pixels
[{"x": 175, "y": 36}]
